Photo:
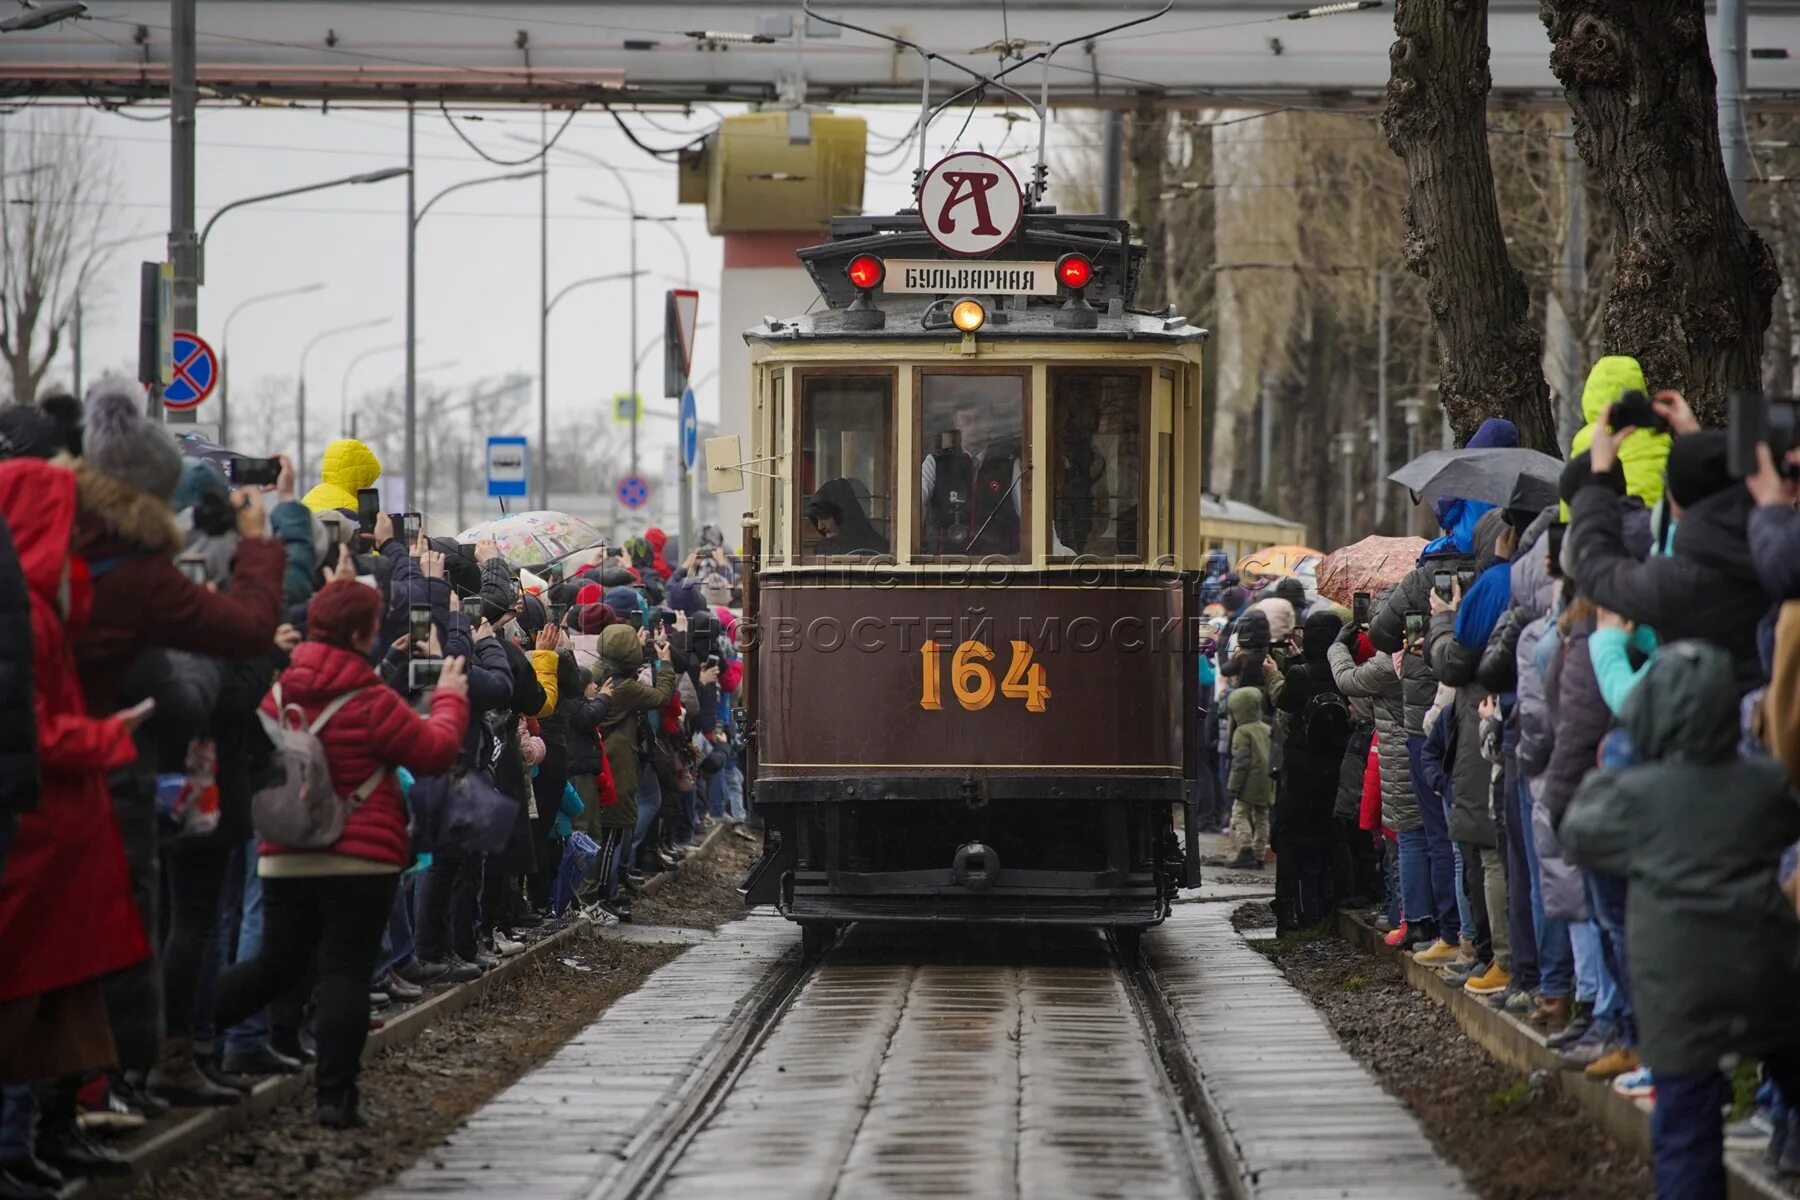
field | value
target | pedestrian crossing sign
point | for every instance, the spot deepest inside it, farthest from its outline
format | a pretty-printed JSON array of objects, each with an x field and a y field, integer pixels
[{"x": 627, "y": 408}]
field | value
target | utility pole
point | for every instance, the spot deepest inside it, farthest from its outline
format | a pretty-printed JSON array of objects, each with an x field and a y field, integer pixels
[
  {"x": 1732, "y": 70},
  {"x": 1346, "y": 444},
  {"x": 1113, "y": 155},
  {"x": 543, "y": 471},
  {"x": 184, "y": 241},
  {"x": 1383, "y": 288},
  {"x": 412, "y": 311},
  {"x": 1411, "y": 409}
]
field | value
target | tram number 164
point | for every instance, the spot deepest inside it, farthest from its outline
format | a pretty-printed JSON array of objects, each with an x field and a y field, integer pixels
[{"x": 973, "y": 682}]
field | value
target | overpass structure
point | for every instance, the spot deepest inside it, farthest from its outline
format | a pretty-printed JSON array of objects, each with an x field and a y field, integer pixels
[{"x": 1230, "y": 53}]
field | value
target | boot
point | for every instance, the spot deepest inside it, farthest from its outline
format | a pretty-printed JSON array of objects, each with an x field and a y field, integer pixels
[
  {"x": 1551, "y": 1013},
  {"x": 178, "y": 1079},
  {"x": 342, "y": 1111},
  {"x": 65, "y": 1146}
]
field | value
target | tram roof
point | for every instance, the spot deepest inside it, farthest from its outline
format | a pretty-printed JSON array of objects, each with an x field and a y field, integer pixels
[{"x": 1044, "y": 236}]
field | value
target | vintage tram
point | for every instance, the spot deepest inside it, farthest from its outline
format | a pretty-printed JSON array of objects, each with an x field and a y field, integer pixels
[{"x": 974, "y": 479}]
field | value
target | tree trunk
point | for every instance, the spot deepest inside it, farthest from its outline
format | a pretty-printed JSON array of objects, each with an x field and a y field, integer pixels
[
  {"x": 1436, "y": 121},
  {"x": 1147, "y": 157},
  {"x": 1693, "y": 282}
]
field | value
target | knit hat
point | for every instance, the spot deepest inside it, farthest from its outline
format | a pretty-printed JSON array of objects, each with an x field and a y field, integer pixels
[
  {"x": 596, "y": 617},
  {"x": 624, "y": 600},
  {"x": 342, "y": 611},
  {"x": 120, "y": 442},
  {"x": 589, "y": 593},
  {"x": 1699, "y": 466},
  {"x": 67, "y": 412},
  {"x": 28, "y": 432}
]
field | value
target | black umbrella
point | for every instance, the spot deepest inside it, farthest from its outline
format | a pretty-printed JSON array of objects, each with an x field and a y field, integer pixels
[{"x": 1487, "y": 475}]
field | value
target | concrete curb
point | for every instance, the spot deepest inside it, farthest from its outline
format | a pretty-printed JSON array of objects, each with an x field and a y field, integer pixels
[
  {"x": 1521, "y": 1047},
  {"x": 162, "y": 1147}
]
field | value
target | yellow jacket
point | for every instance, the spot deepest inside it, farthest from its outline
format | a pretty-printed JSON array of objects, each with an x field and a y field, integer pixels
[
  {"x": 1645, "y": 452},
  {"x": 543, "y": 665},
  {"x": 347, "y": 466}
]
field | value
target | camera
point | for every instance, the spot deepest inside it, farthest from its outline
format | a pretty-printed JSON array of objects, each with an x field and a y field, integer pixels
[
  {"x": 1753, "y": 419},
  {"x": 1632, "y": 410},
  {"x": 252, "y": 472}
]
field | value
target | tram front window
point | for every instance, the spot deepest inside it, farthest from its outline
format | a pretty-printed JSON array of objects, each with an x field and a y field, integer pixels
[
  {"x": 972, "y": 486},
  {"x": 845, "y": 465},
  {"x": 1096, "y": 426}
]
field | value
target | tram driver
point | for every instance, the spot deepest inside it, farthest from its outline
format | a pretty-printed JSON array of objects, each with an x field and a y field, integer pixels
[{"x": 971, "y": 490}]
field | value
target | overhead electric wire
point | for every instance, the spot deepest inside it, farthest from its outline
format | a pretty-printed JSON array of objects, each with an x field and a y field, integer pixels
[{"x": 503, "y": 162}]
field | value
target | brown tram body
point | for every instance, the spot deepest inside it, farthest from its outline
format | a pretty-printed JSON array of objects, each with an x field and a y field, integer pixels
[{"x": 986, "y": 730}]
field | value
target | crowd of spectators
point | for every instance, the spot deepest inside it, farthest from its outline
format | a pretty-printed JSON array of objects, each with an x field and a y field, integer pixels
[
  {"x": 459, "y": 756},
  {"x": 1558, "y": 759}
]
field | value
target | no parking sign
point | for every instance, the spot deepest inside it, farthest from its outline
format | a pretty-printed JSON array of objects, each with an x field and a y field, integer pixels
[{"x": 194, "y": 372}]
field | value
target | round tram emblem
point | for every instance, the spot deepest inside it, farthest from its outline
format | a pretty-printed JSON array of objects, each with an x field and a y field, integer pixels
[{"x": 971, "y": 203}]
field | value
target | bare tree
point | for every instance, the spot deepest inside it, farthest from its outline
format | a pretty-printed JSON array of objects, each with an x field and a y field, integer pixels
[
  {"x": 57, "y": 181},
  {"x": 1693, "y": 282},
  {"x": 1436, "y": 121}
]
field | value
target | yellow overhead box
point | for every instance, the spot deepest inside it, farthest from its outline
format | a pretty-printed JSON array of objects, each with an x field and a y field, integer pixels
[{"x": 783, "y": 169}]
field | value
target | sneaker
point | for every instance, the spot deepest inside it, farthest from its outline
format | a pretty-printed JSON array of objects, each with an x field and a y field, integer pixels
[
  {"x": 1617, "y": 1061},
  {"x": 128, "y": 1086},
  {"x": 450, "y": 970},
  {"x": 1439, "y": 954},
  {"x": 1579, "y": 1026},
  {"x": 1590, "y": 1047},
  {"x": 1396, "y": 936},
  {"x": 599, "y": 916},
  {"x": 1519, "y": 1002},
  {"x": 506, "y": 946},
  {"x": 1492, "y": 982},
  {"x": 1456, "y": 977},
  {"x": 1635, "y": 1084},
  {"x": 400, "y": 989},
  {"x": 1552, "y": 1013}
]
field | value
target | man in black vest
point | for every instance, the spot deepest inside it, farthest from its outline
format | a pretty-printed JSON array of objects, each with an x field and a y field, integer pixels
[{"x": 971, "y": 492}]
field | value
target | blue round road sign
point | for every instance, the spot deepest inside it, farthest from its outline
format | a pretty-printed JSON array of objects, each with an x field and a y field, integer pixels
[
  {"x": 633, "y": 491},
  {"x": 196, "y": 371},
  {"x": 690, "y": 429}
]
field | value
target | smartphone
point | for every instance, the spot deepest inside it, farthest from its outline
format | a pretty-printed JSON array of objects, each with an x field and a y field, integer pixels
[
  {"x": 556, "y": 612},
  {"x": 252, "y": 472},
  {"x": 411, "y": 526},
  {"x": 368, "y": 506},
  {"x": 471, "y": 608},
  {"x": 193, "y": 566},
  {"x": 635, "y": 618},
  {"x": 1415, "y": 625},
  {"x": 419, "y": 624},
  {"x": 1440, "y": 583},
  {"x": 1465, "y": 579},
  {"x": 422, "y": 673},
  {"x": 1359, "y": 610}
]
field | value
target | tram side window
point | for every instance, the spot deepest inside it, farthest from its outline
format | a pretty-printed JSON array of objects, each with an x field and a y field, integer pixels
[
  {"x": 845, "y": 465},
  {"x": 972, "y": 487},
  {"x": 1096, "y": 429}
]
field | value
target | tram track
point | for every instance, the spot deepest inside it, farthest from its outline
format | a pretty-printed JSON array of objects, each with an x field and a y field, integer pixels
[{"x": 892, "y": 1066}]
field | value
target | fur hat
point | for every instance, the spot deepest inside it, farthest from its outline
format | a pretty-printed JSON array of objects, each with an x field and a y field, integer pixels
[{"x": 120, "y": 442}]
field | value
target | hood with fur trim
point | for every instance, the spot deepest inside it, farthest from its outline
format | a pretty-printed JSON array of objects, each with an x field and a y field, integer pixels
[{"x": 140, "y": 521}]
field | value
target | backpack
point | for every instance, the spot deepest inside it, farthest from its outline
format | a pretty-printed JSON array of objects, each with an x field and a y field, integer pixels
[
  {"x": 300, "y": 809},
  {"x": 1325, "y": 721}
]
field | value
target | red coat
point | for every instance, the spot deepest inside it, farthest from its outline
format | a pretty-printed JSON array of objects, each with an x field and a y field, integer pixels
[
  {"x": 376, "y": 728},
  {"x": 66, "y": 914},
  {"x": 1370, "y": 816}
]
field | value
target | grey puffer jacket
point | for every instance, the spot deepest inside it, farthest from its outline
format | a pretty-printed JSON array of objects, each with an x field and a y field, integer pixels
[
  {"x": 1387, "y": 633},
  {"x": 1454, "y": 665},
  {"x": 1375, "y": 685}
]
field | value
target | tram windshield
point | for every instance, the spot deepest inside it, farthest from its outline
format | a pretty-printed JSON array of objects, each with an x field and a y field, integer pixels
[
  {"x": 846, "y": 465},
  {"x": 1096, "y": 427},
  {"x": 972, "y": 485}
]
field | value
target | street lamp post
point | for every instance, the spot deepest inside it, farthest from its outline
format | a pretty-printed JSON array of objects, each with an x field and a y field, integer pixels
[
  {"x": 75, "y": 332},
  {"x": 665, "y": 223},
  {"x": 300, "y": 400},
  {"x": 544, "y": 374},
  {"x": 225, "y": 350},
  {"x": 412, "y": 313},
  {"x": 362, "y": 177},
  {"x": 344, "y": 425}
]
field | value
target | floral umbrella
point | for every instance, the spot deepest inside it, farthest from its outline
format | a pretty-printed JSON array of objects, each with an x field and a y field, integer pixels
[
  {"x": 1276, "y": 560},
  {"x": 532, "y": 539},
  {"x": 1371, "y": 565}
]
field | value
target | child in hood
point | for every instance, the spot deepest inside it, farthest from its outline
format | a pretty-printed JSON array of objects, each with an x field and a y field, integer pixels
[{"x": 1251, "y": 785}]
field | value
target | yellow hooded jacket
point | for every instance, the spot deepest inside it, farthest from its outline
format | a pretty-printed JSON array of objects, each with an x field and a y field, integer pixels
[
  {"x": 1645, "y": 452},
  {"x": 348, "y": 465}
]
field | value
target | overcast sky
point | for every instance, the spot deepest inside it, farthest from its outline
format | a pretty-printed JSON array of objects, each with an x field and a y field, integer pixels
[{"x": 478, "y": 249}]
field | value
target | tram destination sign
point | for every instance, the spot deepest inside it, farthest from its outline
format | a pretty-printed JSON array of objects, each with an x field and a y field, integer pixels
[{"x": 926, "y": 277}]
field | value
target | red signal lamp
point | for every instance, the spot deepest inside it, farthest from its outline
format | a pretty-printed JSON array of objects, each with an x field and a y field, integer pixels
[
  {"x": 1074, "y": 271},
  {"x": 866, "y": 272}
]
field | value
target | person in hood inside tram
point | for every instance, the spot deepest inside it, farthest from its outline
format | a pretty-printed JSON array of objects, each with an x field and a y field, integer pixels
[
  {"x": 971, "y": 491},
  {"x": 844, "y": 528},
  {"x": 348, "y": 466},
  {"x": 1715, "y": 947}
]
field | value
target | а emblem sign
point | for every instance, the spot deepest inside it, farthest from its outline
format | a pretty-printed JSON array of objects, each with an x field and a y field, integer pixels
[{"x": 971, "y": 203}]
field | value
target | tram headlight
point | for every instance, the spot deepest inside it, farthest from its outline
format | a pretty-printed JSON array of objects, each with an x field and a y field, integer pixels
[
  {"x": 968, "y": 315},
  {"x": 866, "y": 272}
]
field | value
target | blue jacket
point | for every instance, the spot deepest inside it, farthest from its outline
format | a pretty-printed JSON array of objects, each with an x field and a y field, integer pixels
[{"x": 1489, "y": 596}]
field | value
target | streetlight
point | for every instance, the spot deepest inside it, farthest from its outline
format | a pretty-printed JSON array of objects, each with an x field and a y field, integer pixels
[
  {"x": 93, "y": 253},
  {"x": 300, "y": 402},
  {"x": 665, "y": 223},
  {"x": 412, "y": 307},
  {"x": 364, "y": 177},
  {"x": 344, "y": 387},
  {"x": 225, "y": 350},
  {"x": 41, "y": 16},
  {"x": 581, "y": 283}
]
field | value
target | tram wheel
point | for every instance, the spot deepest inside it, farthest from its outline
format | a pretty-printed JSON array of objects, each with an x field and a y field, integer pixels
[
  {"x": 1129, "y": 942},
  {"x": 816, "y": 937}
]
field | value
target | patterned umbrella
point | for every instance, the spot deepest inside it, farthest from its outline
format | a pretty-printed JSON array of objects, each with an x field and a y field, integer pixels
[
  {"x": 1276, "y": 560},
  {"x": 1371, "y": 565},
  {"x": 532, "y": 539}
]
